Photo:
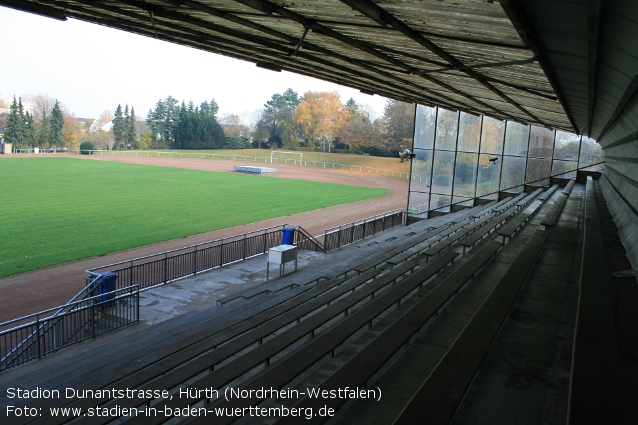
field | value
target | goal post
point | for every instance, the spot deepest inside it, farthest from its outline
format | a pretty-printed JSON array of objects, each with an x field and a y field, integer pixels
[{"x": 286, "y": 156}]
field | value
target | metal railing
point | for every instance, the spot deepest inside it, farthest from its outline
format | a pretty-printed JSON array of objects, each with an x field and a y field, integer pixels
[
  {"x": 345, "y": 234},
  {"x": 160, "y": 268},
  {"x": 37, "y": 335}
]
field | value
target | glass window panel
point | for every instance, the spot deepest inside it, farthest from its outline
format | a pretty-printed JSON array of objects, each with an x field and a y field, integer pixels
[
  {"x": 421, "y": 170},
  {"x": 419, "y": 203},
  {"x": 492, "y": 137},
  {"x": 465, "y": 174},
  {"x": 446, "y": 130},
  {"x": 489, "y": 173},
  {"x": 560, "y": 167},
  {"x": 425, "y": 123},
  {"x": 566, "y": 146},
  {"x": 440, "y": 203},
  {"x": 541, "y": 142},
  {"x": 516, "y": 138},
  {"x": 591, "y": 153},
  {"x": 538, "y": 171},
  {"x": 469, "y": 132},
  {"x": 442, "y": 175},
  {"x": 513, "y": 175}
]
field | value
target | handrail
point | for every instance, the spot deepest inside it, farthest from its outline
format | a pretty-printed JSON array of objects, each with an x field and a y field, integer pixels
[
  {"x": 185, "y": 248},
  {"x": 41, "y": 336}
]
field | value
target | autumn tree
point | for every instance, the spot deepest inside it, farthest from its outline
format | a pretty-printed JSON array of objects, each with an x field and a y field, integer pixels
[
  {"x": 359, "y": 132},
  {"x": 398, "y": 125},
  {"x": 321, "y": 115},
  {"x": 234, "y": 126},
  {"x": 72, "y": 131}
]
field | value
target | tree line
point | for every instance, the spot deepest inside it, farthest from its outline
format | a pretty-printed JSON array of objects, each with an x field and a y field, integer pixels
[
  {"x": 23, "y": 130},
  {"x": 314, "y": 121}
]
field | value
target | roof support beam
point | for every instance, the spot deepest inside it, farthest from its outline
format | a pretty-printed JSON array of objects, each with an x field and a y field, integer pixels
[
  {"x": 268, "y": 7},
  {"x": 289, "y": 41},
  {"x": 594, "y": 14},
  {"x": 384, "y": 18},
  {"x": 516, "y": 13},
  {"x": 632, "y": 87}
]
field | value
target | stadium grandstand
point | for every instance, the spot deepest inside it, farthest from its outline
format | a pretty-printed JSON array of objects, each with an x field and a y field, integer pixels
[{"x": 510, "y": 297}]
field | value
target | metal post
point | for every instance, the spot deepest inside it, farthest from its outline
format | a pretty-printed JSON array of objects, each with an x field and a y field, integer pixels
[
  {"x": 243, "y": 248},
  {"x": 221, "y": 254},
  {"x": 165, "y": 267},
  {"x": 130, "y": 272},
  {"x": 195, "y": 261},
  {"x": 37, "y": 336}
]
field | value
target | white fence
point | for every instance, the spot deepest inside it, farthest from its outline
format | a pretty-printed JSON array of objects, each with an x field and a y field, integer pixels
[{"x": 169, "y": 154}]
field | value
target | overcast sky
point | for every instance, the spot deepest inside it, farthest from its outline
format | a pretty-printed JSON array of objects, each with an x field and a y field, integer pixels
[{"x": 90, "y": 68}]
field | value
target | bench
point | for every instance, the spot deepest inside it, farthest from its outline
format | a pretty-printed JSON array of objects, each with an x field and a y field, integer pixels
[
  {"x": 529, "y": 198},
  {"x": 507, "y": 205},
  {"x": 548, "y": 193},
  {"x": 552, "y": 214},
  {"x": 449, "y": 241},
  {"x": 287, "y": 369},
  {"x": 179, "y": 368},
  {"x": 256, "y": 324},
  {"x": 512, "y": 227},
  {"x": 595, "y": 390},
  {"x": 358, "y": 370},
  {"x": 569, "y": 187},
  {"x": 438, "y": 398}
]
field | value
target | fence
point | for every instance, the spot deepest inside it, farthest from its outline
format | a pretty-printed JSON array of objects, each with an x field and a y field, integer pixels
[
  {"x": 251, "y": 158},
  {"x": 37, "y": 335},
  {"x": 345, "y": 234},
  {"x": 170, "y": 265}
]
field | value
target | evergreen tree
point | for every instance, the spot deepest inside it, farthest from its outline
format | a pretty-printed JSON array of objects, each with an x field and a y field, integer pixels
[
  {"x": 131, "y": 131},
  {"x": 29, "y": 131},
  {"x": 163, "y": 122},
  {"x": 55, "y": 126},
  {"x": 14, "y": 133},
  {"x": 119, "y": 126},
  {"x": 42, "y": 137}
]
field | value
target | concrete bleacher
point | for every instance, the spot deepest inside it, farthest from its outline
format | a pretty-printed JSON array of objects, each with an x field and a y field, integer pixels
[{"x": 442, "y": 330}]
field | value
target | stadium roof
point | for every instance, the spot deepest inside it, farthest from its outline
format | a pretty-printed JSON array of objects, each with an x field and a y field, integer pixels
[{"x": 532, "y": 61}]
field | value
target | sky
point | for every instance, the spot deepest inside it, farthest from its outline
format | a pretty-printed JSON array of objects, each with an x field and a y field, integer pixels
[{"x": 90, "y": 68}]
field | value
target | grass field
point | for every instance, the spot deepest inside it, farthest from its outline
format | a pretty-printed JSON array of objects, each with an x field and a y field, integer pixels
[{"x": 55, "y": 210}]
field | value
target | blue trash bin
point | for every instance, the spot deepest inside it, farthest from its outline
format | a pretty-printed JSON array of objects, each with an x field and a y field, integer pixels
[
  {"x": 108, "y": 282},
  {"x": 288, "y": 236}
]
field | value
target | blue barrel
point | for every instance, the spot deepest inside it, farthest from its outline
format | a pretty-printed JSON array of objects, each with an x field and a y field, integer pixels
[
  {"x": 108, "y": 283},
  {"x": 288, "y": 236}
]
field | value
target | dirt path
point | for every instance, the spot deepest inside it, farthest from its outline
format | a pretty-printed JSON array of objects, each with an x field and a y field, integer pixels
[{"x": 37, "y": 290}]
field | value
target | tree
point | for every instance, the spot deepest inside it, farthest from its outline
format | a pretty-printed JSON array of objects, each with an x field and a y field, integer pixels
[
  {"x": 119, "y": 126},
  {"x": 233, "y": 126},
  {"x": 56, "y": 123},
  {"x": 14, "y": 133},
  {"x": 398, "y": 125},
  {"x": 321, "y": 114},
  {"x": 131, "y": 130},
  {"x": 197, "y": 129},
  {"x": 276, "y": 117},
  {"x": 164, "y": 118},
  {"x": 72, "y": 131}
]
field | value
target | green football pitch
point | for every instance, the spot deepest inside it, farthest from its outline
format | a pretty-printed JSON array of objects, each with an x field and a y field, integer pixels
[{"x": 54, "y": 210}]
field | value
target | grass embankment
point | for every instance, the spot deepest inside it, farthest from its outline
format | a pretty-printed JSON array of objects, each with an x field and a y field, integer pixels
[{"x": 60, "y": 209}]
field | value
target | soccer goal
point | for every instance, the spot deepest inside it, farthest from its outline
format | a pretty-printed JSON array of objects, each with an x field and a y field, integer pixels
[{"x": 276, "y": 157}]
